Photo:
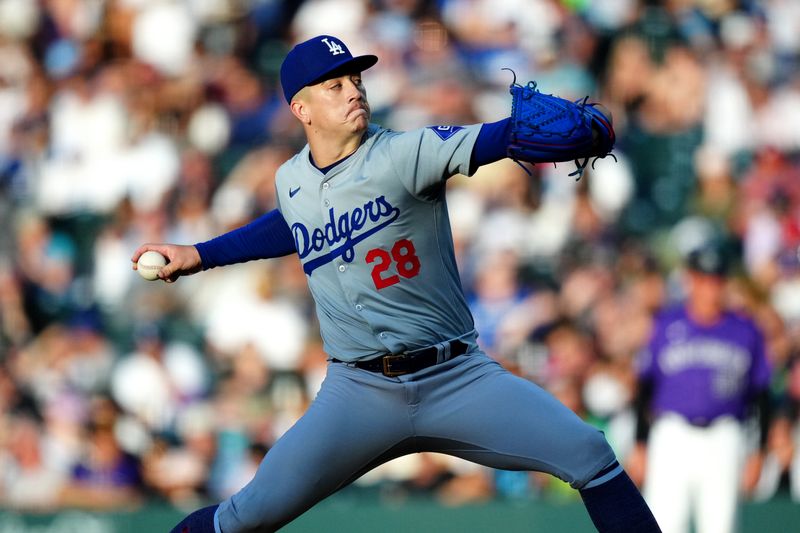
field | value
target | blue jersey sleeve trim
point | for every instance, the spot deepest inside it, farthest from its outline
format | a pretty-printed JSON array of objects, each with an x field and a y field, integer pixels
[
  {"x": 266, "y": 237},
  {"x": 491, "y": 144}
]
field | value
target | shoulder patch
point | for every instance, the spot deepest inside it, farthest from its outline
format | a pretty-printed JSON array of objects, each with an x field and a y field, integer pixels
[{"x": 445, "y": 132}]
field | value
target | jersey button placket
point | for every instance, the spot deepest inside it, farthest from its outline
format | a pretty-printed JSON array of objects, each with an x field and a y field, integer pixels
[{"x": 326, "y": 203}]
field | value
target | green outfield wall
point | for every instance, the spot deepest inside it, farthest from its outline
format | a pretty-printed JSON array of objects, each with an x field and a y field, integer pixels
[{"x": 355, "y": 515}]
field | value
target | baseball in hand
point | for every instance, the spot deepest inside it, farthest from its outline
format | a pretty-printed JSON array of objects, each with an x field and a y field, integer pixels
[{"x": 149, "y": 264}]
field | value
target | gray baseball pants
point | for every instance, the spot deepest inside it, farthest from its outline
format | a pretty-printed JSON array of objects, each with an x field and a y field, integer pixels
[{"x": 468, "y": 407}]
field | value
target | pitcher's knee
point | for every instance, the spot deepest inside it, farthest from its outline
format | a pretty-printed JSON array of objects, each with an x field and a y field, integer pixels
[
  {"x": 261, "y": 518},
  {"x": 591, "y": 454}
]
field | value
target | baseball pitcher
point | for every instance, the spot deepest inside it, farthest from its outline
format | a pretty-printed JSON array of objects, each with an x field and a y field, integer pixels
[{"x": 363, "y": 207}]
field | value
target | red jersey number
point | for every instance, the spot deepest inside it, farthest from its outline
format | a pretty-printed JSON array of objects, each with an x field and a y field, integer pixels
[{"x": 403, "y": 254}]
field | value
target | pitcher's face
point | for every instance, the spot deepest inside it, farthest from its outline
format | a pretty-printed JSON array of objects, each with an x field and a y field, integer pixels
[{"x": 338, "y": 105}]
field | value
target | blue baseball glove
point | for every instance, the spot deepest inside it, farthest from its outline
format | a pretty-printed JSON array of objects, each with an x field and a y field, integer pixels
[{"x": 549, "y": 129}]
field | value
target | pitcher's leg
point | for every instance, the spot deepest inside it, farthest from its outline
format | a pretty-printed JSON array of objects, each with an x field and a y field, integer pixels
[
  {"x": 495, "y": 418},
  {"x": 483, "y": 413},
  {"x": 353, "y": 421}
]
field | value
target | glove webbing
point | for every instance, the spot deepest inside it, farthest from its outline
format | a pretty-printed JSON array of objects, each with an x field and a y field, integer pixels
[{"x": 527, "y": 92}]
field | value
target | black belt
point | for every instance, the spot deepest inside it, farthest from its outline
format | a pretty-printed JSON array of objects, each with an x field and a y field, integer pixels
[
  {"x": 701, "y": 422},
  {"x": 407, "y": 363}
]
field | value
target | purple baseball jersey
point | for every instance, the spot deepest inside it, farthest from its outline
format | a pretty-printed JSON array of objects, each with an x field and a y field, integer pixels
[{"x": 704, "y": 372}]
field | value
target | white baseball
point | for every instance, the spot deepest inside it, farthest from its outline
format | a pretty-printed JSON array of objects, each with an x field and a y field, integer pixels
[{"x": 149, "y": 264}]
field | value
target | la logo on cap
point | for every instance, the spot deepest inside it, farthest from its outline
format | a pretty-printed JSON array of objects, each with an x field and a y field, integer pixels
[{"x": 333, "y": 47}]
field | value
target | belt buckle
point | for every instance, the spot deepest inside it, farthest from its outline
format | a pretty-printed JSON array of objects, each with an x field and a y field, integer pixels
[{"x": 386, "y": 360}]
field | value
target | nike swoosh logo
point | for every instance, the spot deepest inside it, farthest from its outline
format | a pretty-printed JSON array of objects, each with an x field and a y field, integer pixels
[{"x": 292, "y": 192}]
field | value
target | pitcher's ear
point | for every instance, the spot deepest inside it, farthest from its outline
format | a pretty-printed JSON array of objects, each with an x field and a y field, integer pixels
[{"x": 299, "y": 106}]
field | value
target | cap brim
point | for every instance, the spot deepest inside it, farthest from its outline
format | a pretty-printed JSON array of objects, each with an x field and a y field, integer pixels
[{"x": 355, "y": 64}]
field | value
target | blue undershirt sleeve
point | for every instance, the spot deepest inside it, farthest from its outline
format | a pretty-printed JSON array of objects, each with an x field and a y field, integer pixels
[
  {"x": 491, "y": 144},
  {"x": 266, "y": 237}
]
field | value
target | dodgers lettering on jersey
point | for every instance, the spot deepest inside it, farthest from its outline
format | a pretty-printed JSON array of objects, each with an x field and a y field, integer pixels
[
  {"x": 373, "y": 235},
  {"x": 704, "y": 372},
  {"x": 342, "y": 228}
]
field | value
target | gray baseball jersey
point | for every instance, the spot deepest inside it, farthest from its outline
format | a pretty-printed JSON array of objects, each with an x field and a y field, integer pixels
[{"x": 374, "y": 238}]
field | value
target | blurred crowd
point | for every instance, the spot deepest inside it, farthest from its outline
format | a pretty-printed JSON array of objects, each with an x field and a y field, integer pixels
[{"x": 132, "y": 121}]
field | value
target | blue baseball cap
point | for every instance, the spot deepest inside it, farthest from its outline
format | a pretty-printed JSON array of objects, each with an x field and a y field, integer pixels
[{"x": 316, "y": 60}]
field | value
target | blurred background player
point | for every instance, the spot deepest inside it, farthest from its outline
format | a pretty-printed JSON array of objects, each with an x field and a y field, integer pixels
[{"x": 702, "y": 374}]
